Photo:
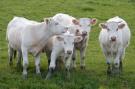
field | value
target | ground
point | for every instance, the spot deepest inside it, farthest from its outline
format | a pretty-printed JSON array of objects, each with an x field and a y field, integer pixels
[{"x": 94, "y": 77}]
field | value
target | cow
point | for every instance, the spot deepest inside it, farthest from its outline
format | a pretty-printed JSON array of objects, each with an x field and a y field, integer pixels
[
  {"x": 31, "y": 36},
  {"x": 60, "y": 47},
  {"x": 85, "y": 24},
  {"x": 114, "y": 39}
]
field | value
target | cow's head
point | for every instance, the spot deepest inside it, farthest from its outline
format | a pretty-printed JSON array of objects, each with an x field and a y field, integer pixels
[
  {"x": 68, "y": 41},
  {"x": 55, "y": 27},
  {"x": 75, "y": 27},
  {"x": 86, "y": 24},
  {"x": 112, "y": 29}
]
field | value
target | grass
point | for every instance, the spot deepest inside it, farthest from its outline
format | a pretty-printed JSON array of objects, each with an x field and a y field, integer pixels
[{"x": 94, "y": 77}]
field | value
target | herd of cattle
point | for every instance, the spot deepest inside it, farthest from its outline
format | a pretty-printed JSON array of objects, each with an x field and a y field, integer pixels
[{"x": 61, "y": 36}]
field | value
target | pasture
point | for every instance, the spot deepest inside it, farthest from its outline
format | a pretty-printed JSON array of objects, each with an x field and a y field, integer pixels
[{"x": 94, "y": 77}]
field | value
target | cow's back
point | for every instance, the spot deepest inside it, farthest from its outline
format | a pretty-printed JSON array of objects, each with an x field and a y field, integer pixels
[
  {"x": 64, "y": 19},
  {"x": 14, "y": 30}
]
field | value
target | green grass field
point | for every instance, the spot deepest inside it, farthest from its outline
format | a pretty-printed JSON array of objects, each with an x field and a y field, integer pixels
[{"x": 94, "y": 77}]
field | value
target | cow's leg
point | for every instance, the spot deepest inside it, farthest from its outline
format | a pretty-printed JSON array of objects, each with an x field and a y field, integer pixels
[
  {"x": 74, "y": 59},
  {"x": 57, "y": 64},
  {"x": 25, "y": 62},
  {"x": 19, "y": 65},
  {"x": 121, "y": 57},
  {"x": 108, "y": 61},
  {"x": 109, "y": 69},
  {"x": 37, "y": 64},
  {"x": 10, "y": 53},
  {"x": 68, "y": 65},
  {"x": 121, "y": 66},
  {"x": 82, "y": 58},
  {"x": 48, "y": 58},
  {"x": 15, "y": 52},
  {"x": 117, "y": 61},
  {"x": 52, "y": 64}
]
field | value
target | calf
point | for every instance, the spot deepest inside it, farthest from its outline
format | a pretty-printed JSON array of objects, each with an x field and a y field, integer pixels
[
  {"x": 114, "y": 38},
  {"x": 60, "y": 47},
  {"x": 30, "y": 36},
  {"x": 85, "y": 24}
]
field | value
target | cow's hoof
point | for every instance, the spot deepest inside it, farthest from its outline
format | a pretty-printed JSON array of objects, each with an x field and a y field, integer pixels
[
  {"x": 116, "y": 71},
  {"x": 82, "y": 67},
  {"x": 109, "y": 72},
  {"x": 74, "y": 68},
  {"x": 19, "y": 67},
  {"x": 68, "y": 76},
  {"x": 39, "y": 75},
  {"x": 49, "y": 74},
  {"x": 25, "y": 77},
  {"x": 10, "y": 63},
  {"x": 120, "y": 70}
]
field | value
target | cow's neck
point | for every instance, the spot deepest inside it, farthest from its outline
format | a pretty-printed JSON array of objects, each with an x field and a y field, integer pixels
[{"x": 43, "y": 34}]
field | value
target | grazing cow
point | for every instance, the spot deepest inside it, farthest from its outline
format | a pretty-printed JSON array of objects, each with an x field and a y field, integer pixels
[
  {"x": 85, "y": 24},
  {"x": 30, "y": 36},
  {"x": 60, "y": 47},
  {"x": 114, "y": 38}
]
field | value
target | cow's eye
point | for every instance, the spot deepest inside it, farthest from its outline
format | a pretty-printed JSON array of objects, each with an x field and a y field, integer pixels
[
  {"x": 77, "y": 30},
  {"x": 56, "y": 23},
  {"x": 64, "y": 42},
  {"x": 117, "y": 29},
  {"x": 108, "y": 29}
]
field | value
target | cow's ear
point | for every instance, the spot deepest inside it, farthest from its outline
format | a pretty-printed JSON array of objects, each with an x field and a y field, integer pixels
[
  {"x": 93, "y": 21},
  {"x": 122, "y": 25},
  {"x": 47, "y": 20},
  {"x": 103, "y": 25},
  {"x": 60, "y": 38},
  {"x": 77, "y": 39},
  {"x": 75, "y": 21}
]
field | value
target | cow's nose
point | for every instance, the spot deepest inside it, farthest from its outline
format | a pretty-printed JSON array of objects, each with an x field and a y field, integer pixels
[
  {"x": 69, "y": 52},
  {"x": 113, "y": 38},
  {"x": 66, "y": 28},
  {"x": 78, "y": 33},
  {"x": 84, "y": 33}
]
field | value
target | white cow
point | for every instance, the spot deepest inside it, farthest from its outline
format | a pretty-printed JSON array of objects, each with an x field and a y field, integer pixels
[
  {"x": 114, "y": 38},
  {"x": 12, "y": 52},
  {"x": 85, "y": 24},
  {"x": 60, "y": 47},
  {"x": 31, "y": 36}
]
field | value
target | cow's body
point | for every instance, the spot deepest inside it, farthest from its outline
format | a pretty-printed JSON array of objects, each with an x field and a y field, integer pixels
[
  {"x": 85, "y": 24},
  {"x": 114, "y": 38},
  {"x": 30, "y": 36},
  {"x": 60, "y": 47}
]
